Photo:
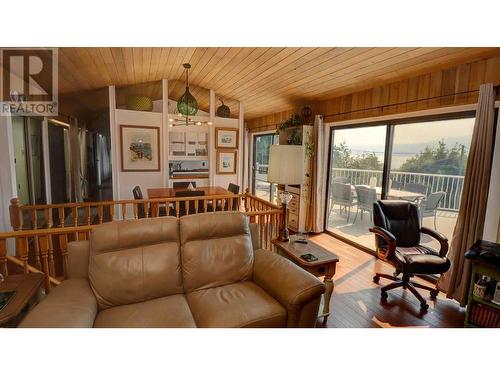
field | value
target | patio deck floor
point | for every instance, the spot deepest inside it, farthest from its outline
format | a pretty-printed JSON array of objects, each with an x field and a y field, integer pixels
[{"x": 358, "y": 231}]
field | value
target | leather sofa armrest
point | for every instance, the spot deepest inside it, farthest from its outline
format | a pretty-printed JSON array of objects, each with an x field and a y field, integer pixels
[
  {"x": 296, "y": 289},
  {"x": 78, "y": 259},
  {"x": 389, "y": 238},
  {"x": 443, "y": 241},
  {"x": 72, "y": 304}
]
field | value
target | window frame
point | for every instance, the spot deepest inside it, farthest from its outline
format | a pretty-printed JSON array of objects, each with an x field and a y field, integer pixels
[{"x": 389, "y": 141}]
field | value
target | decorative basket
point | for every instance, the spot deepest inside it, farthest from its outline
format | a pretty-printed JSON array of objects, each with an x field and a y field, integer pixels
[
  {"x": 479, "y": 290},
  {"x": 139, "y": 103}
]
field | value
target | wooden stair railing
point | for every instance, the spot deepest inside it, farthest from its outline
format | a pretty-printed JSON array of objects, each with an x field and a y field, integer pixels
[{"x": 48, "y": 245}]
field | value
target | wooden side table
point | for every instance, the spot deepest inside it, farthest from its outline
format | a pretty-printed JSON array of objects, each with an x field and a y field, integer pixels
[
  {"x": 25, "y": 288},
  {"x": 325, "y": 265}
]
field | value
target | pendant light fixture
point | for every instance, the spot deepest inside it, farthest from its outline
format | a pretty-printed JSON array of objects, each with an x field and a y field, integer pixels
[{"x": 187, "y": 104}]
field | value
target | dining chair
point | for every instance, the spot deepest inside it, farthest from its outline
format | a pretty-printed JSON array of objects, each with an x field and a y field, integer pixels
[
  {"x": 141, "y": 207},
  {"x": 141, "y": 211},
  {"x": 183, "y": 184},
  {"x": 397, "y": 185},
  {"x": 342, "y": 195},
  {"x": 429, "y": 206},
  {"x": 341, "y": 180},
  {"x": 366, "y": 198},
  {"x": 192, "y": 203}
]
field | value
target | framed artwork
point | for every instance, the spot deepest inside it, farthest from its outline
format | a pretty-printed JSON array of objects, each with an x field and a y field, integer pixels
[
  {"x": 226, "y": 161},
  {"x": 140, "y": 148},
  {"x": 226, "y": 138}
]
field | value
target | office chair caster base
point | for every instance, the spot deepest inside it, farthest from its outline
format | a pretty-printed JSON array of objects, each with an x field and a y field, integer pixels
[
  {"x": 434, "y": 294},
  {"x": 376, "y": 279}
]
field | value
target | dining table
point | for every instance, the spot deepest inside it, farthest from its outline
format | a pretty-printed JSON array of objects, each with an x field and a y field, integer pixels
[{"x": 166, "y": 192}]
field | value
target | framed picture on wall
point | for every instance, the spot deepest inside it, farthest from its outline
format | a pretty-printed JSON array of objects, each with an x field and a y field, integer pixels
[
  {"x": 226, "y": 138},
  {"x": 140, "y": 148},
  {"x": 226, "y": 161}
]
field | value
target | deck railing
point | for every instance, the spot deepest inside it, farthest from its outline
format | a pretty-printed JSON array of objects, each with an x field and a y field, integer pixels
[
  {"x": 452, "y": 185},
  {"x": 40, "y": 242}
]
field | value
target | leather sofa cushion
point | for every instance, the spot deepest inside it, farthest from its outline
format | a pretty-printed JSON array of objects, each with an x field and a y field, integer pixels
[
  {"x": 134, "y": 261},
  {"x": 243, "y": 304},
  {"x": 166, "y": 312},
  {"x": 132, "y": 233},
  {"x": 216, "y": 250},
  {"x": 421, "y": 260}
]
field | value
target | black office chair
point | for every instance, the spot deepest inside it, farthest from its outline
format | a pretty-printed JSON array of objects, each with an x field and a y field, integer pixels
[
  {"x": 183, "y": 185},
  {"x": 397, "y": 239},
  {"x": 192, "y": 203}
]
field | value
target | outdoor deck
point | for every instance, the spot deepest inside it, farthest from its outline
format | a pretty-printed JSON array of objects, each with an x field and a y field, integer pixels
[{"x": 358, "y": 231}]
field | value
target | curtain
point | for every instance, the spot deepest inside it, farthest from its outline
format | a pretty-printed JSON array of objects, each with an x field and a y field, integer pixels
[
  {"x": 470, "y": 221},
  {"x": 318, "y": 196}
]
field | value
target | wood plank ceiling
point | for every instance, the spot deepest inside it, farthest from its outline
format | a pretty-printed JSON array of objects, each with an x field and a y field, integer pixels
[{"x": 266, "y": 80}]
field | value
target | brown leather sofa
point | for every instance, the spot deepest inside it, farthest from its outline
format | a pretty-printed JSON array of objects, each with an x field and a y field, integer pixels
[{"x": 197, "y": 271}]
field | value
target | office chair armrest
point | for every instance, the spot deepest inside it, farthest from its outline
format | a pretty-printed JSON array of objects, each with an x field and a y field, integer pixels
[
  {"x": 443, "y": 241},
  {"x": 389, "y": 238}
]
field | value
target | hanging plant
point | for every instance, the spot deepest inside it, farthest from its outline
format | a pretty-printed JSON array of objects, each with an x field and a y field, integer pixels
[
  {"x": 309, "y": 146},
  {"x": 294, "y": 120}
]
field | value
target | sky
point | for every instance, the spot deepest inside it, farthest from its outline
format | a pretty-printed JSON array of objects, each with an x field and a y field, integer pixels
[{"x": 409, "y": 139}]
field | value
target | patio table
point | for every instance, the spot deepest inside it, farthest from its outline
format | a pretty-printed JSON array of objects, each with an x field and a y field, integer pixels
[{"x": 397, "y": 194}]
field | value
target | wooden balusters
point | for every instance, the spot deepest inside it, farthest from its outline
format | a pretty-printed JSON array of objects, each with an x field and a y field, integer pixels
[
  {"x": 123, "y": 209},
  {"x": 100, "y": 212},
  {"x": 47, "y": 213},
  {"x": 15, "y": 214},
  {"x": 74, "y": 215},
  {"x": 52, "y": 264},
  {"x": 111, "y": 212},
  {"x": 44, "y": 253},
  {"x": 135, "y": 209},
  {"x": 60, "y": 213},
  {"x": 87, "y": 214},
  {"x": 3, "y": 257},
  {"x": 63, "y": 246},
  {"x": 22, "y": 251}
]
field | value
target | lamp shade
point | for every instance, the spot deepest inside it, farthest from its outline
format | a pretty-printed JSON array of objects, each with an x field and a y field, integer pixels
[{"x": 286, "y": 165}]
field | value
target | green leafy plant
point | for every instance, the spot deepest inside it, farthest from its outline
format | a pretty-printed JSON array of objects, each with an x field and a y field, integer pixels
[{"x": 294, "y": 120}]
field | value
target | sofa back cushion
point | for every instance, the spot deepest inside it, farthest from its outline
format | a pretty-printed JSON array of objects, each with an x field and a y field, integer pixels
[
  {"x": 216, "y": 249},
  {"x": 135, "y": 260}
]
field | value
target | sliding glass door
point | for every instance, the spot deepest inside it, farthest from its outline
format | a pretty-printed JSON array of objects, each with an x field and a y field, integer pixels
[
  {"x": 357, "y": 157},
  {"x": 425, "y": 160},
  {"x": 260, "y": 163},
  {"x": 28, "y": 159},
  {"x": 427, "y": 167}
]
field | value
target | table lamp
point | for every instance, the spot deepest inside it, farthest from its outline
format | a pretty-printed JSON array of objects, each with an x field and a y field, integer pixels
[{"x": 286, "y": 167}]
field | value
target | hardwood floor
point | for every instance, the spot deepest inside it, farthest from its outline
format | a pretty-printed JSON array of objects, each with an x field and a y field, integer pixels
[{"x": 356, "y": 301}]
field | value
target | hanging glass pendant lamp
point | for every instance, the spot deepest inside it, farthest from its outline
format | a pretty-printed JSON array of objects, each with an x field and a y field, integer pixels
[{"x": 187, "y": 104}]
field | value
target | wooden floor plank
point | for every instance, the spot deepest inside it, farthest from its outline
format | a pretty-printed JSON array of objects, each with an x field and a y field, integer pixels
[{"x": 356, "y": 301}]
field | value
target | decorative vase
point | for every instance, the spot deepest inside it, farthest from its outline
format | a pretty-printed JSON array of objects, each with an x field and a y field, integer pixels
[
  {"x": 139, "y": 103},
  {"x": 223, "y": 110}
]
